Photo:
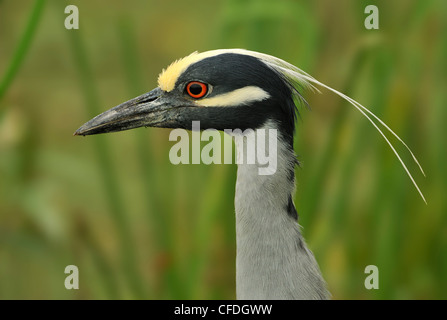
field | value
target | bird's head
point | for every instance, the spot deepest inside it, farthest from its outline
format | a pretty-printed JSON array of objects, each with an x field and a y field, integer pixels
[{"x": 223, "y": 89}]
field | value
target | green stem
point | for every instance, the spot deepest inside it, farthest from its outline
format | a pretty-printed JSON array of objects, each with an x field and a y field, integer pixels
[
  {"x": 111, "y": 183},
  {"x": 22, "y": 47}
]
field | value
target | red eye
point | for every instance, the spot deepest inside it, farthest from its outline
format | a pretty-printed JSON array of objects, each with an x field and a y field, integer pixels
[{"x": 196, "y": 89}]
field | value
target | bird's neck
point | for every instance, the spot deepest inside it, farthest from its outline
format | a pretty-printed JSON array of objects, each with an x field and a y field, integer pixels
[{"x": 273, "y": 261}]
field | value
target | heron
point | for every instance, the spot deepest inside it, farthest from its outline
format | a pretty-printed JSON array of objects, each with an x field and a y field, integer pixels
[{"x": 242, "y": 89}]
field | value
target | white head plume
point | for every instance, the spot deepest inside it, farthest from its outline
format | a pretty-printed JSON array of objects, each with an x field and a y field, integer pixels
[{"x": 296, "y": 76}]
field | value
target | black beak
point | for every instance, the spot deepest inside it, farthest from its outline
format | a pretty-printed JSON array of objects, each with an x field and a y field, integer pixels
[{"x": 150, "y": 109}]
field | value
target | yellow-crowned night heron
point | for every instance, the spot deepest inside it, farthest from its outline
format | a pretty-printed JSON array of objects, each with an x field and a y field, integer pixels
[{"x": 240, "y": 89}]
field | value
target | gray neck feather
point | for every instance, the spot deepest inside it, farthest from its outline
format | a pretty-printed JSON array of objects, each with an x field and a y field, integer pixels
[{"x": 273, "y": 261}]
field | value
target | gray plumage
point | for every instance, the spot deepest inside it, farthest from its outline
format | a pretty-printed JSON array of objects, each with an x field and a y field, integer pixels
[
  {"x": 240, "y": 89},
  {"x": 273, "y": 260}
]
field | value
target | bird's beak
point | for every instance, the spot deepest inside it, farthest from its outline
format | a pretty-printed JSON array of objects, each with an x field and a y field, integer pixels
[{"x": 151, "y": 109}]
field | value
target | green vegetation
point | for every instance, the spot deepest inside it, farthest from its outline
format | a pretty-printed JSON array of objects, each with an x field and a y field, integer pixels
[{"x": 138, "y": 226}]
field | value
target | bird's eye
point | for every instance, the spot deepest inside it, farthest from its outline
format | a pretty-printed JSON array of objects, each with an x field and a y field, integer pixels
[{"x": 196, "y": 89}]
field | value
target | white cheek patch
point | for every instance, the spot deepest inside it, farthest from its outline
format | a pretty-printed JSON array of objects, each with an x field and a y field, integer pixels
[{"x": 238, "y": 97}]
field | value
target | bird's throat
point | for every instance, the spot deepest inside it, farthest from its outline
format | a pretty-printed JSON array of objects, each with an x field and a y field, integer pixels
[{"x": 272, "y": 261}]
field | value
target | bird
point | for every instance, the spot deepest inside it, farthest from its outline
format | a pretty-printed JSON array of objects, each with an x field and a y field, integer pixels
[{"x": 239, "y": 89}]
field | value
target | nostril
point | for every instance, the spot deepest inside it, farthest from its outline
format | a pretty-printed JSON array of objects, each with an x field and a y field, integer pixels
[{"x": 148, "y": 98}]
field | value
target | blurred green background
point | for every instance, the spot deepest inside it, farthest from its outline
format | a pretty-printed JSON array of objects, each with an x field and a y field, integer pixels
[{"x": 139, "y": 227}]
